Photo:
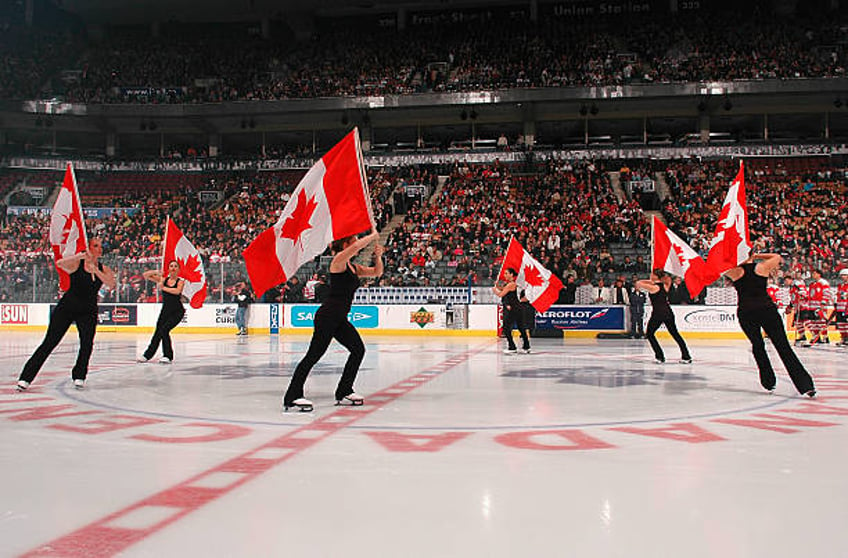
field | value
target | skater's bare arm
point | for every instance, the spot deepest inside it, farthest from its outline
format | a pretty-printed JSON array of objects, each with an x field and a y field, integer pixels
[
  {"x": 501, "y": 291},
  {"x": 646, "y": 285},
  {"x": 341, "y": 259},
  {"x": 178, "y": 290},
  {"x": 734, "y": 273},
  {"x": 377, "y": 269},
  {"x": 768, "y": 263},
  {"x": 106, "y": 275},
  {"x": 71, "y": 263},
  {"x": 152, "y": 275}
]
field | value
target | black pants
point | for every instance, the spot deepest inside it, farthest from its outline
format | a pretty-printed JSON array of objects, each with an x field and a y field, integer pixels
[
  {"x": 63, "y": 316},
  {"x": 513, "y": 318},
  {"x": 636, "y": 327},
  {"x": 330, "y": 323},
  {"x": 668, "y": 321},
  {"x": 166, "y": 322},
  {"x": 753, "y": 323}
]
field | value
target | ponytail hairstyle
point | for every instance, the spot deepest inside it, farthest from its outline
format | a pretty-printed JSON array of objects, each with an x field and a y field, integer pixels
[{"x": 512, "y": 271}]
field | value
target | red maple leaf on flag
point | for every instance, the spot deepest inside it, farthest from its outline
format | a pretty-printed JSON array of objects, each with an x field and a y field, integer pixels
[
  {"x": 532, "y": 276},
  {"x": 66, "y": 228},
  {"x": 190, "y": 269},
  {"x": 681, "y": 256},
  {"x": 298, "y": 221}
]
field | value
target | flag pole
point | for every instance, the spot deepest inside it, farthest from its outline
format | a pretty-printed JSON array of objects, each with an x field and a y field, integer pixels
[
  {"x": 364, "y": 176},
  {"x": 165, "y": 244},
  {"x": 653, "y": 232},
  {"x": 503, "y": 262}
]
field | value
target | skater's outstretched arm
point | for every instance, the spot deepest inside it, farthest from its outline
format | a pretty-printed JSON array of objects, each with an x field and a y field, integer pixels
[
  {"x": 501, "y": 291},
  {"x": 768, "y": 263},
  {"x": 152, "y": 275},
  {"x": 178, "y": 290},
  {"x": 71, "y": 263},
  {"x": 342, "y": 257},
  {"x": 377, "y": 269},
  {"x": 647, "y": 285}
]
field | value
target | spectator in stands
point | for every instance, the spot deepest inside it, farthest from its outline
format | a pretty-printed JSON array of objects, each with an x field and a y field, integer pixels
[
  {"x": 678, "y": 293},
  {"x": 293, "y": 290}
]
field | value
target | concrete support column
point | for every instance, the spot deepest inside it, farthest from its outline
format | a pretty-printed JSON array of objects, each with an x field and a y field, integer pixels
[
  {"x": 214, "y": 145},
  {"x": 704, "y": 127},
  {"x": 111, "y": 144}
]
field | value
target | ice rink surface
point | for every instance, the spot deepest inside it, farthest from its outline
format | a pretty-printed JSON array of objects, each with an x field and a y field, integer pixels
[{"x": 582, "y": 448}]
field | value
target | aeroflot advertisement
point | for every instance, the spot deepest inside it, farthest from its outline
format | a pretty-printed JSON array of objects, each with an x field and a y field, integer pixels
[{"x": 582, "y": 317}]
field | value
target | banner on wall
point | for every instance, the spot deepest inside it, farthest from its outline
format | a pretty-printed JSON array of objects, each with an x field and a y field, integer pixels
[
  {"x": 113, "y": 314},
  {"x": 367, "y": 317},
  {"x": 274, "y": 315},
  {"x": 14, "y": 314},
  {"x": 718, "y": 319},
  {"x": 593, "y": 318}
]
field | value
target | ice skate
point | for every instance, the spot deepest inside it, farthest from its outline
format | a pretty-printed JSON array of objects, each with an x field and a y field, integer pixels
[
  {"x": 22, "y": 385},
  {"x": 300, "y": 404},
  {"x": 79, "y": 384},
  {"x": 352, "y": 399}
]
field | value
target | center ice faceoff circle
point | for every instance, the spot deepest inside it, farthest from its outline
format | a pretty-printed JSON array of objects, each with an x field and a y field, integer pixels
[{"x": 557, "y": 386}]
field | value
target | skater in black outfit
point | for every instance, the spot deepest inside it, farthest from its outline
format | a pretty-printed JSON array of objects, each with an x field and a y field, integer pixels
[
  {"x": 331, "y": 323},
  {"x": 512, "y": 316},
  {"x": 77, "y": 306},
  {"x": 757, "y": 313},
  {"x": 171, "y": 314},
  {"x": 528, "y": 315},
  {"x": 661, "y": 314}
]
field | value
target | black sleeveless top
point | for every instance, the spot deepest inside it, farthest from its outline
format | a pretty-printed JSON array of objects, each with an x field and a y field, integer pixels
[
  {"x": 510, "y": 300},
  {"x": 659, "y": 301},
  {"x": 751, "y": 290},
  {"x": 171, "y": 303},
  {"x": 343, "y": 286},
  {"x": 83, "y": 290}
]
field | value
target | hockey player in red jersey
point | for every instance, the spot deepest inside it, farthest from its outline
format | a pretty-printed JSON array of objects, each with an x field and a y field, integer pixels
[
  {"x": 820, "y": 304},
  {"x": 798, "y": 294}
]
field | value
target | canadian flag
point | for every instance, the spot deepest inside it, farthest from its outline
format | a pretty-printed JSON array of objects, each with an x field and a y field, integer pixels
[
  {"x": 67, "y": 225},
  {"x": 672, "y": 254},
  {"x": 329, "y": 203},
  {"x": 178, "y": 247},
  {"x": 540, "y": 285},
  {"x": 731, "y": 244}
]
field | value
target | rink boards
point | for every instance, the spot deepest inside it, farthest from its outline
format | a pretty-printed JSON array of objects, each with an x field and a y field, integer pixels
[{"x": 440, "y": 319}]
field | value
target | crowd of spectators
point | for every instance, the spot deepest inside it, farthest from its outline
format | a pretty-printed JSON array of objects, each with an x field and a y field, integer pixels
[
  {"x": 251, "y": 201},
  {"x": 453, "y": 230},
  {"x": 797, "y": 207},
  {"x": 566, "y": 215},
  {"x": 215, "y": 63}
]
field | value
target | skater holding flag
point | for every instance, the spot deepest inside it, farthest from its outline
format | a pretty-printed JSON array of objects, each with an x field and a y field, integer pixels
[
  {"x": 540, "y": 287},
  {"x": 330, "y": 206},
  {"x": 81, "y": 276}
]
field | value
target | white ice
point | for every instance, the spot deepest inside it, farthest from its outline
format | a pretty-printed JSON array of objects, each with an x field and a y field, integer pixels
[{"x": 459, "y": 451}]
